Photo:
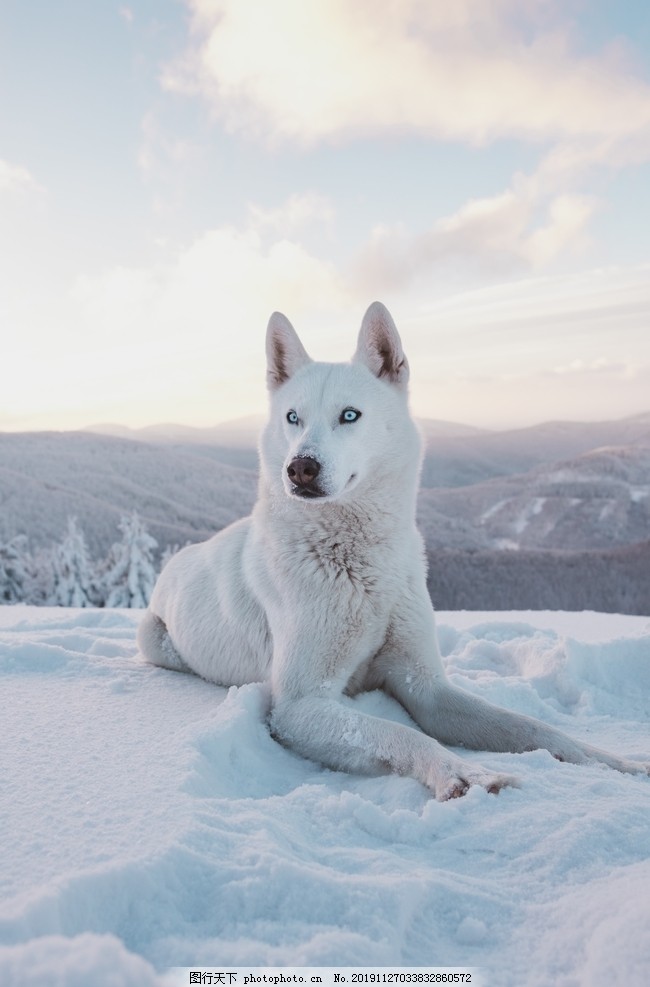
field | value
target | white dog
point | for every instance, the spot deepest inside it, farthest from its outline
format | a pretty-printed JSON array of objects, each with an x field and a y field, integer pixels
[{"x": 322, "y": 590}]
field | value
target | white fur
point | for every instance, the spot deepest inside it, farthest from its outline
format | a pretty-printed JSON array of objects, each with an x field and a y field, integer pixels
[{"x": 325, "y": 596}]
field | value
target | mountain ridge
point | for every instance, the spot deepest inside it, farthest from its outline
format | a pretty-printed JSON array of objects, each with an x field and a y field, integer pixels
[{"x": 595, "y": 498}]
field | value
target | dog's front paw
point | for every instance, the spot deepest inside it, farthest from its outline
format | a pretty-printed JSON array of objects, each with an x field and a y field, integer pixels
[{"x": 454, "y": 781}]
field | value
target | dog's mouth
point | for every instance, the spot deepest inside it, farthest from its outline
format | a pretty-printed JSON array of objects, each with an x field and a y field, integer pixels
[
  {"x": 307, "y": 493},
  {"x": 314, "y": 492}
]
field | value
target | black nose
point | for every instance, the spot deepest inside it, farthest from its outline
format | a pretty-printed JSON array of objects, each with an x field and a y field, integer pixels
[{"x": 303, "y": 471}]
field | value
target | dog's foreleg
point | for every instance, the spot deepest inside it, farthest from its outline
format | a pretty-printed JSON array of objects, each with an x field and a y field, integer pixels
[{"x": 335, "y": 734}]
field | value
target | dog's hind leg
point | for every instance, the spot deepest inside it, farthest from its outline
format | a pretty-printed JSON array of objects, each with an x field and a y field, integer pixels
[
  {"x": 460, "y": 719},
  {"x": 412, "y": 671},
  {"x": 156, "y": 645}
]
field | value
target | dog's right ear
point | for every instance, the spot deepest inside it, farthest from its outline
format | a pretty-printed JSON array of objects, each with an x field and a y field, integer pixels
[{"x": 284, "y": 352}]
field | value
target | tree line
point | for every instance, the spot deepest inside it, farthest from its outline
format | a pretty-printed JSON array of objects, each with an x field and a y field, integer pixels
[
  {"x": 612, "y": 581},
  {"x": 65, "y": 574},
  {"x": 616, "y": 581}
]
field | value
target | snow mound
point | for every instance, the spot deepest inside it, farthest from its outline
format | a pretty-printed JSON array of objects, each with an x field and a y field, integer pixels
[{"x": 150, "y": 821}]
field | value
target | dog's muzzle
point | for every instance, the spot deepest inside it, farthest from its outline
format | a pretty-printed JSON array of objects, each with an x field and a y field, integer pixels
[{"x": 303, "y": 474}]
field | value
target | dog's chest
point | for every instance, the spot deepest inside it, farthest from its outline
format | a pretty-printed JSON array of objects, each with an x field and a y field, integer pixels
[
  {"x": 348, "y": 562},
  {"x": 349, "y": 571},
  {"x": 339, "y": 559}
]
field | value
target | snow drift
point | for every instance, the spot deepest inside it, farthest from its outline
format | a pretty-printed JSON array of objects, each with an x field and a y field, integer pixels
[{"x": 149, "y": 820}]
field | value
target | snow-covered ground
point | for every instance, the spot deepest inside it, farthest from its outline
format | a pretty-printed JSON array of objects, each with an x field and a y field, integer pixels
[{"x": 148, "y": 820}]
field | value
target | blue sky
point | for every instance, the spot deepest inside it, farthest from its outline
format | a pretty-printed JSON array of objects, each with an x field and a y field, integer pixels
[{"x": 171, "y": 172}]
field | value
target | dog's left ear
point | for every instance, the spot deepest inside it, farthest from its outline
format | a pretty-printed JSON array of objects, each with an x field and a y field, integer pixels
[
  {"x": 380, "y": 347},
  {"x": 284, "y": 352}
]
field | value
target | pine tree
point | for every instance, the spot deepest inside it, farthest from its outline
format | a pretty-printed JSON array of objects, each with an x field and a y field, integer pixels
[
  {"x": 131, "y": 574},
  {"x": 13, "y": 570},
  {"x": 39, "y": 584},
  {"x": 73, "y": 580},
  {"x": 168, "y": 553}
]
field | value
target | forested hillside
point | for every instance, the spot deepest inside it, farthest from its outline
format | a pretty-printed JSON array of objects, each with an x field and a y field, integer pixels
[
  {"x": 558, "y": 516},
  {"x": 611, "y": 582}
]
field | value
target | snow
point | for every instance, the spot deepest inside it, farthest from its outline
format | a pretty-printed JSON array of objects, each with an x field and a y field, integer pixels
[
  {"x": 150, "y": 821},
  {"x": 530, "y": 511},
  {"x": 491, "y": 511}
]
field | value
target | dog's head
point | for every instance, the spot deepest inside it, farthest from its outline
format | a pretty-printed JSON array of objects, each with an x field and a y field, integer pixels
[{"x": 334, "y": 426}]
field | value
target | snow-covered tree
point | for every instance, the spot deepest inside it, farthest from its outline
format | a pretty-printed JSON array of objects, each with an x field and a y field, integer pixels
[
  {"x": 130, "y": 573},
  {"x": 72, "y": 570},
  {"x": 13, "y": 570},
  {"x": 39, "y": 585},
  {"x": 168, "y": 553}
]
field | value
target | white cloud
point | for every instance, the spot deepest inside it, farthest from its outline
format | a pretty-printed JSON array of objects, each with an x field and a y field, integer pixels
[
  {"x": 600, "y": 366},
  {"x": 300, "y": 211},
  {"x": 499, "y": 235},
  {"x": 161, "y": 152},
  {"x": 470, "y": 71},
  {"x": 15, "y": 178},
  {"x": 182, "y": 340},
  {"x": 517, "y": 400},
  {"x": 213, "y": 300},
  {"x": 570, "y": 346},
  {"x": 568, "y": 216}
]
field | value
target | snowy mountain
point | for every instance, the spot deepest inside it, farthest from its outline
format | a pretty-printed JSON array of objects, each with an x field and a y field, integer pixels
[
  {"x": 598, "y": 500},
  {"x": 458, "y": 459},
  {"x": 455, "y": 454},
  {"x": 593, "y": 504},
  {"x": 186, "y": 485},
  {"x": 239, "y": 433},
  {"x": 46, "y": 477},
  {"x": 150, "y": 820}
]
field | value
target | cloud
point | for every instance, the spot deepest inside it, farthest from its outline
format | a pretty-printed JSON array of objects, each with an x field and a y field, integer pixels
[
  {"x": 300, "y": 211},
  {"x": 181, "y": 338},
  {"x": 15, "y": 178},
  {"x": 607, "y": 304},
  {"x": 601, "y": 367},
  {"x": 498, "y": 235},
  {"x": 224, "y": 282},
  {"x": 162, "y": 154},
  {"x": 517, "y": 400},
  {"x": 571, "y": 346},
  {"x": 472, "y": 71},
  {"x": 184, "y": 339}
]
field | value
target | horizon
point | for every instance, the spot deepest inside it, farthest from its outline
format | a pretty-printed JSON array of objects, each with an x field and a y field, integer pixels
[
  {"x": 169, "y": 177},
  {"x": 257, "y": 420}
]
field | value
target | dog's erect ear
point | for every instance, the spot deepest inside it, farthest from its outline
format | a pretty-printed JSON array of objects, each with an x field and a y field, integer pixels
[
  {"x": 380, "y": 347},
  {"x": 284, "y": 352}
]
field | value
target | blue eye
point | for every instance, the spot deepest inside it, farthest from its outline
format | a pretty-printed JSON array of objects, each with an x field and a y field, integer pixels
[
  {"x": 292, "y": 417},
  {"x": 349, "y": 415}
]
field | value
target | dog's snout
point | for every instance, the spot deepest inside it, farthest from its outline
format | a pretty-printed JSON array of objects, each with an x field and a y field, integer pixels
[{"x": 303, "y": 472}]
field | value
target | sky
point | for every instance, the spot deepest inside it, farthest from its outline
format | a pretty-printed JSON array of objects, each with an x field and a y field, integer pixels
[{"x": 172, "y": 171}]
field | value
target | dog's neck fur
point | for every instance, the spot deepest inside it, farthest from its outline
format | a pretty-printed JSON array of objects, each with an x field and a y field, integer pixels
[{"x": 370, "y": 508}]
